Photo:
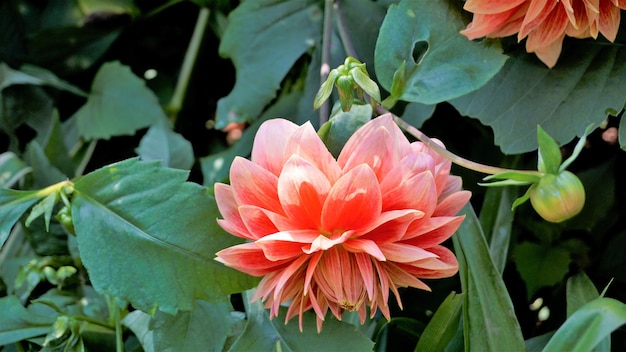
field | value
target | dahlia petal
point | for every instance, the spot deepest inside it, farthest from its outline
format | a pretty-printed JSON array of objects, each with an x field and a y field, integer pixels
[
  {"x": 403, "y": 279},
  {"x": 286, "y": 244},
  {"x": 269, "y": 144},
  {"x": 323, "y": 243},
  {"x": 376, "y": 149},
  {"x": 288, "y": 273},
  {"x": 452, "y": 204},
  {"x": 404, "y": 253},
  {"x": 257, "y": 222},
  {"x": 550, "y": 30},
  {"x": 248, "y": 258},
  {"x": 537, "y": 14},
  {"x": 550, "y": 54},
  {"x": 364, "y": 263},
  {"x": 353, "y": 201},
  {"x": 417, "y": 192},
  {"x": 432, "y": 231},
  {"x": 313, "y": 261},
  {"x": 391, "y": 226},
  {"x": 484, "y": 25},
  {"x": 364, "y": 246},
  {"x": 608, "y": 20},
  {"x": 302, "y": 189},
  {"x": 490, "y": 6},
  {"x": 253, "y": 185},
  {"x": 228, "y": 207},
  {"x": 445, "y": 265},
  {"x": 305, "y": 143}
]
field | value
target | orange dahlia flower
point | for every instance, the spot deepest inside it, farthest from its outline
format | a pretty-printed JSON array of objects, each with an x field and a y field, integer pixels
[
  {"x": 544, "y": 22},
  {"x": 339, "y": 234}
]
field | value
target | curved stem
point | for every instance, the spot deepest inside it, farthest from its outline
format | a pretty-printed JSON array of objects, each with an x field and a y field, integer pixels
[
  {"x": 468, "y": 164},
  {"x": 325, "y": 65},
  {"x": 176, "y": 102},
  {"x": 343, "y": 33}
]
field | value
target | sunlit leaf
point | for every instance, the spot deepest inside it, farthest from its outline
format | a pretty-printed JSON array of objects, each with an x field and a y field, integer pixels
[
  {"x": 141, "y": 225},
  {"x": 12, "y": 205},
  {"x": 119, "y": 104},
  {"x": 204, "y": 328},
  {"x": 489, "y": 322},
  {"x": 549, "y": 158},
  {"x": 263, "y": 334},
  {"x": 139, "y": 322},
  {"x": 588, "y": 326},
  {"x": 18, "y": 323},
  {"x": 161, "y": 143},
  {"x": 540, "y": 264},
  {"x": 581, "y": 89},
  {"x": 264, "y": 39},
  {"x": 439, "y": 64}
]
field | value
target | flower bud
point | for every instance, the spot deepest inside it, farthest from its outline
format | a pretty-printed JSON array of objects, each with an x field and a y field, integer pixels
[{"x": 558, "y": 197}]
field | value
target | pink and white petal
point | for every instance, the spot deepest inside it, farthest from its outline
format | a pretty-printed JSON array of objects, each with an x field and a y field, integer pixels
[
  {"x": 305, "y": 143},
  {"x": 539, "y": 12},
  {"x": 418, "y": 192},
  {"x": 364, "y": 246},
  {"x": 286, "y": 244},
  {"x": 323, "y": 243},
  {"x": 490, "y": 6},
  {"x": 248, "y": 258},
  {"x": 401, "y": 278},
  {"x": 302, "y": 190},
  {"x": 354, "y": 201},
  {"x": 549, "y": 55},
  {"x": 445, "y": 265},
  {"x": 452, "y": 204},
  {"x": 270, "y": 142},
  {"x": 404, "y": 253},
  {"x": 257, "y": 222},
  {"x": 229, "y": 209},
  {"x": 364, "y": 263},
  {"x": 293, "y": 271},
  {"x": 453, "y": 184},
  {"x": 429, "y": 232},
  {"x": 376, "y": 149},
  {"x": 608, "y": 20},
  {"x": 391, "y": 226},
  {"x": 484, "y": 25},
  {"x": 548, "y": 31},
  {"x": 253, "y": 185}
]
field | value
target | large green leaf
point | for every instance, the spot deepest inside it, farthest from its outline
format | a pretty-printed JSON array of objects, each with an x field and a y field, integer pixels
[
  {"x": 583, "y": 88},
  {"x": 622, "y": 132},
  {"x": 12, "y": 205},
  {"x": 264, "y": 39},
  {"x": 588, "y": 326},
  {"x": 12, "y": 169},
  {"x": 18, "y": 323},
  {"x": 205, "y": 328},
  {"x": 263, "y": 334},
  {"x": 580, "y": 290},
  {"x": 540, "y": 264},
  {"x": 139, "y": 322},
  {"x": 443, "y": 326},
  {"x": 496, "y": 219},
  {"x": 147, "y": 236},
  {"x": 119, "y": 104},
  {"x": 420, "y": 47},
  {"x": 489, "y": 321},
  {"x": 161, "y": 143}
]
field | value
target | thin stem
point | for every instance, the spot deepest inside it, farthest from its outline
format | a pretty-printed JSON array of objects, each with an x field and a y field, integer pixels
[
  {"x": 343, "y": 33},
  {"x": 468, "y": 164},
  {"x": 119, "y": 338},
  {"x": 326, "y": 45},
  {"x": 176, "y": 102}
]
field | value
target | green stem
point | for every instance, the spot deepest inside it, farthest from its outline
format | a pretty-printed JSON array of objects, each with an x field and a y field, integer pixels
[
  {"x": 119, "y": 338},
  {"x": 468, "y": 164},
  {"x": 326, "y": 45},
  {"x": 343, "y": 34},
  {"x": 176, "y": 102}
]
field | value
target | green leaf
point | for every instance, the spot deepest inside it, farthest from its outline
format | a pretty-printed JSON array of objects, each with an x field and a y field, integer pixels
[
  {"x": 343, "y": 125},
  {"x": 363, "y": 80},
  {"x": 489, "y": 322},
  {"x": 549, "y": 158},
  {"x": 443, "y": 326},
  {"x": 18, "y": 323},
  {"x": 139, "y": 322},
  {"x": 580, "y": 290},
  {"x": 264, "y": 39},
  {"x": 586, "y": 328},
  {"x": 141, "y": 225},
  {"x": 527, "y": 177},
  {"x": 540, "y": 264},
  {"x": 161, "y": 143},
  {"x": 44, "y": 208},
  {"x": 440, "y": 64},
  {"x": 12, "y": 205},
  {"x": 12, "y": 169},
  {"x": 44, "y": 173},
  {"x": 496, "y": 219},
  {"x": 622, "y": 132},
  {"x": 416, "y": 114},
  {"x": 585, "y": 84},
  {"x": 204, "y": 328},
  {"x": 263, "y": 334},
  {"x": 119, "y": 104}
]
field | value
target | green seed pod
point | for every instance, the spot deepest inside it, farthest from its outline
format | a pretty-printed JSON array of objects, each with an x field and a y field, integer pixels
[{"x": 558, "y": 197}]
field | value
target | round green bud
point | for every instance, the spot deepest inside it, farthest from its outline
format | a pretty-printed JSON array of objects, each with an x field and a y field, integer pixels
[{"x": 558, "y": 197}]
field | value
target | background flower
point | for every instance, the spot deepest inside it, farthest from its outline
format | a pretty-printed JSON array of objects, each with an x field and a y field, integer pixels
[
  {"x": 339, "y": 234},
  {"x": 544, "y": 23}
]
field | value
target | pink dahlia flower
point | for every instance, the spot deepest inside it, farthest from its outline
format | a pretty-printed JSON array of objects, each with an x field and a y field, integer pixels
[
  {"x": 544, "y": 22},
  {"x": 339, "y": 234}
]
